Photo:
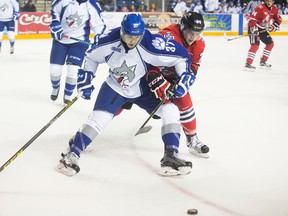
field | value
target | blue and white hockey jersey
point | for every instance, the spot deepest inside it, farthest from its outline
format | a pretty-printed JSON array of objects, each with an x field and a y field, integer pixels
[
  {"x": 77, "y": 19},
  {"x": 8, "y": 8},
  {"x": 128, "y": 67}
]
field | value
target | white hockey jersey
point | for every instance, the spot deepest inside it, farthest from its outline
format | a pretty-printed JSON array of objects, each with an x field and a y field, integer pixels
[
  {"x": 77, "y": 19},
  {"x": 128, "y": 67},
  {"x": 8, "y": 8}
]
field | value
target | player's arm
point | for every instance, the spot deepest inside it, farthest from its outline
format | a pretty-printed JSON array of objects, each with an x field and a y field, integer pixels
[
  {"x": 97, "y": 23},
  {"x": 275, "y": 26},
  {"x": 197, "y": 57}
]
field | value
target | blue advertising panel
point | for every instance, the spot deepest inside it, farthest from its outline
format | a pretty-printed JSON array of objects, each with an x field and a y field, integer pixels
[{"x": 217, "y": 22}]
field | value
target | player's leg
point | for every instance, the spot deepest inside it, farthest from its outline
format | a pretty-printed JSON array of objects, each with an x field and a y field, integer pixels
[
  {"x": 11, "y": 34},
  {"x": 57, "y": 60},
  {"x": 266, "y": 38},
  {"x": 171, "y": 163},
  {"x": 2, "y": 25},
  {"x": 107, "y": 103},
  {"x": 188, "y": 123},
  {"x": 254, "y": 46},
  {"x": 74, "y": 61}
]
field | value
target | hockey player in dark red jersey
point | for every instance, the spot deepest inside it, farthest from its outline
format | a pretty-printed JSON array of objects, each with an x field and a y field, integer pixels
[
  {"x": 188, "y": 34},
  {"x": 264, "y": 19}
]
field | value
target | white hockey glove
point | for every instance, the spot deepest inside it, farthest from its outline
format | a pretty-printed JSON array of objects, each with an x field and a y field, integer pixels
[
  {"x": 84, "y": 86},
  {"x": 186, "y": 81},
  {"x": 274, "y": 27},
  {"x": 56, "y": 30},
  {"x": 158, "y": 85}
]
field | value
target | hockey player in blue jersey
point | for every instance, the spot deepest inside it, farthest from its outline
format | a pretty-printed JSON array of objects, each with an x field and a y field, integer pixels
[
  {"x": 129, "y": 51},
  {"x": 71, "y": 18},
  {"x": 9, "y": 13}
]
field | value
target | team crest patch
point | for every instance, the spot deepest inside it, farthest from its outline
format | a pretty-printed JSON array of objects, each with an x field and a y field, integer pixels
[
  {"x": 158, "y": 43},
  {"x": 169, "y": 36},
  {"x": 74, "y": 20},
  {"x": 124, "y": 74}
]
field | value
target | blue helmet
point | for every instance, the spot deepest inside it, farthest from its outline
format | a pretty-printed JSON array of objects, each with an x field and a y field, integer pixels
[{"x": 132, "y": 24}]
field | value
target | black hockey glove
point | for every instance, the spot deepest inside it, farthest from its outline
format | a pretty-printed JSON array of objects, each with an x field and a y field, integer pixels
[
  {"x": 274, "y": 27},
  {"x": 158, "y": 85},
  {"x": 254, "y": 30}
]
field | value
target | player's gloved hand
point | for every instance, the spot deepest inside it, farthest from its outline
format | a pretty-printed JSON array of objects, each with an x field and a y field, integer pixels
[
  {"x": 274, "y": 27},
  {"x": 254, "y": 30},
  {"x": 186, "y": 81},
  {"x": 84, "y": 86},
  {"x": 56, "y": 30},
  {"x": 15, "y": 16},
  {"x": 158, "y": 85}
]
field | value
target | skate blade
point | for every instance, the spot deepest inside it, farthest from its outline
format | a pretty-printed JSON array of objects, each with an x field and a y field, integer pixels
[
  {"x": 169, "y": 171},
  {"x": 265, "y": 68},
  {"x": 65, "y": 170},
  {"x": 194, "y": 152},
  {"x": 249, "y": 69}
]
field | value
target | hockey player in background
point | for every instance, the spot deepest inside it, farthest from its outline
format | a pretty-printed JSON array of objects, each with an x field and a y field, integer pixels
[
  {"x": 9, "y": 13},
  {"x": 129, "y": 51},
  {"x": 72, "y": 18},
  {"x": 188, "y": 34},
  {"x": 264, "y": 19}
]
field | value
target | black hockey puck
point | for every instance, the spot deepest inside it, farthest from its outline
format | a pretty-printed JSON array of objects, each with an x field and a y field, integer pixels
[{"x": 192, "y": 211}]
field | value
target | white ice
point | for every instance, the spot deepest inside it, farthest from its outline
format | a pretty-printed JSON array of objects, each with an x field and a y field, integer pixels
[{"x": 242, "y": 116}]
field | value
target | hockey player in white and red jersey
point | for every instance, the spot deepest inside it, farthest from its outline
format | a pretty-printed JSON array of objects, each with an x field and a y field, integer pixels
[
  {"x": 129, "y": 51},
  {"x": 71, "y": 18},
  {"x": 188, "y": 34},
  {"x": 9, "y": 13},
  {"x": 264, "y": 19}
]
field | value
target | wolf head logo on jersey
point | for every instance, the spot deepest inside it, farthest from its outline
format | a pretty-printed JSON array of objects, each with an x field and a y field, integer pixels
[
  {"x": 74, "y": 20},
  {"x": 124, "y": 74}
]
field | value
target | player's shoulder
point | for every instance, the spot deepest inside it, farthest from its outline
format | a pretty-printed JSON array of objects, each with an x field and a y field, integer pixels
[
  {"x": 110, "y": 36},
  {"x": 274, "y": 8},
  {"x": 95, "y": 4},
  {"x": 200, "y": 42},
  {"x": 157, "y": 43}
]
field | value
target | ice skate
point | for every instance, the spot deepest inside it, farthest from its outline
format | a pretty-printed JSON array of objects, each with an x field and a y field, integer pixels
[
  {"x": 196, "y": 147},
  {"x": 66, "y": 99},
  {"x": 264, "y": 65},
  {"x": 11, "y": 50},
  {"x": 68, "y": 164},
  {"x": 54, "y": 94},
  {"x": 249, "y": 67},
  {"x": 172, "y": 165}
]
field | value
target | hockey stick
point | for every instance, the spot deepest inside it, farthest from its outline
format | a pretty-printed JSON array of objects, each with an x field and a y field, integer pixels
[
  {"x": 146, "y": 129},
  {"x": 240, "y": 36},
  {"x": 39, "y": 133},
  {"x": 76, "y": 39}
]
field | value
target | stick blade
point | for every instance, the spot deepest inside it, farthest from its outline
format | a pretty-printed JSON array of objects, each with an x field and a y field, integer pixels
[{"x": 145, "y": 129}]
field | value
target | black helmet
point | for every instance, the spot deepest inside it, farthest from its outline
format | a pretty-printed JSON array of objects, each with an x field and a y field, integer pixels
[{"x": 193, "y": 21}]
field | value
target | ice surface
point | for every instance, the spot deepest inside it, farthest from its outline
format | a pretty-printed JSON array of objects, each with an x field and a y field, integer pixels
[{"x": 242, "y": 116}]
